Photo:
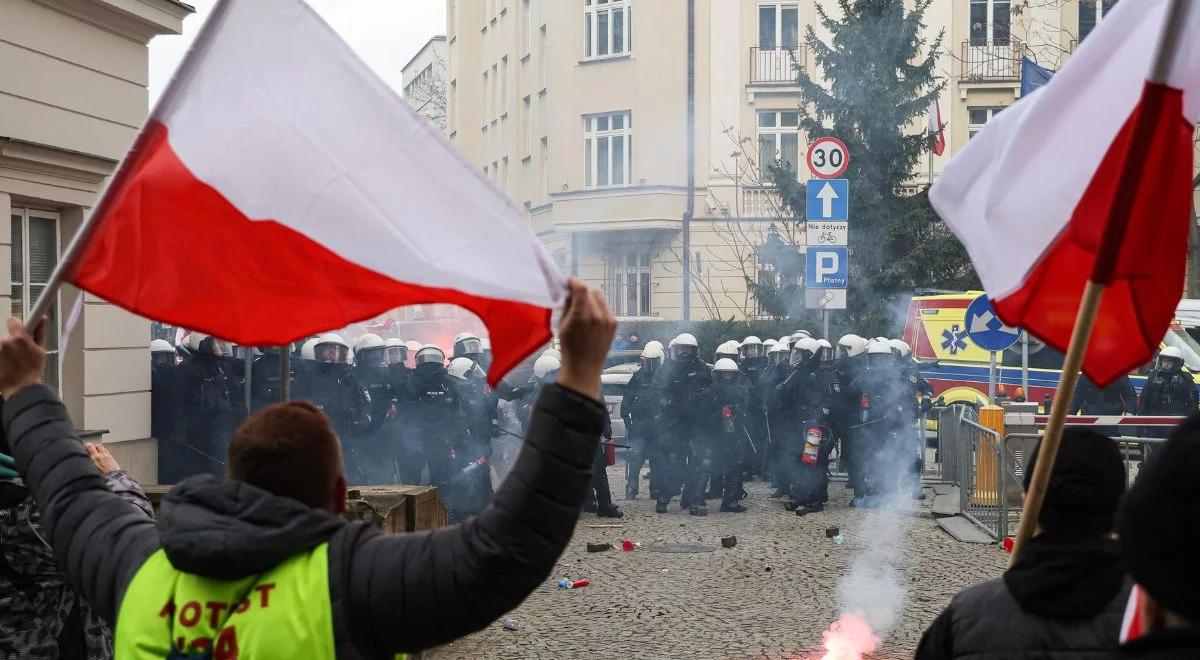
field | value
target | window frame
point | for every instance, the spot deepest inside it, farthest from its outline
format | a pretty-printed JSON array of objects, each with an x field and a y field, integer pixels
[
  {"x": 776, "y": 132},
  {"x": 22, "y": 216},
  {"x": 1098, "y": 9},
  {"x": 973, "y": 128},
  {"x": 622, "y": 275},
  {"x": 989, "y": 26},
  {"x": 592, "y": 37},
  {"x": 778, "y": 29},
  {"x": 594, "y": 137}
]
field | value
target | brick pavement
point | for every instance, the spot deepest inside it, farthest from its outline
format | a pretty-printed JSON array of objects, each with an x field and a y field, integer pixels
[{"x": 769, "y": 597}]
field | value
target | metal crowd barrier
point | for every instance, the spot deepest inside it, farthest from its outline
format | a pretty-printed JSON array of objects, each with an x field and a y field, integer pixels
[{"x": 989, "y": 469}]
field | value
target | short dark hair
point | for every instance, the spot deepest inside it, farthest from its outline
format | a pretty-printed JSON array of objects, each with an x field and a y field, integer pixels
[
  {"x": 1086, "y": 483},
  {"x": 288, "y": 449}
]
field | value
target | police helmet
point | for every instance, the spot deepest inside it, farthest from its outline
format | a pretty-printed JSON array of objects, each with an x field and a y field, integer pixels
[
  {"x": 684, "y": 347},
  {"x": 430, "y": 354},
  {"x": 460, "y": 367},
  {"x": 852, "y": 345},
  {"x": 1170, "y": 358},
  {"x": 330, "y": 347},
  {"x": 308, "y": 350},
  {"x": 413, "y": 346},
  {"x": 768, "y": 343},
  {"x": 194, "y": 339},
  {"x": 752, "y": 347},
  {"x": 657, "y": 343},
  {"x": 901, "y": 347},
  {"x": 545, "y": 365},
  {"x": 396, "y": 352},
  {"x": 467, "y": 344},
  {"x": 825, "y": 351},
  {"x": 728, "y": 349},
  {"x": 161, "y": 346},
  {"x": 725, "y": 370}
]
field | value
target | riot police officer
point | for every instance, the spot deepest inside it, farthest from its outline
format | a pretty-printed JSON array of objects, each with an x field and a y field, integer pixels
[
  {"x": 727, "y": 350},
  {"x": 850, "y": 360},
  {"x": 716, "y": 446},
  {"x": 329, "y": 383},
  {"x": 803, "y": 410},
  {"x": 265, "y": 379},
  {"x": 472, "y": 484},
  {"x": 882, "y": 434},
  {"x": 467, "y": 345},
  {"x": 777, "y": 370},
  {"x": 435, "y": 421},
  {"x": 204, "y": 411},
  {"x": 162, "y": 394},
  {"x": 380, "y": 440},
  {"x": 678, "y": 382},
  {"x": 1169, "y": 390},
  {"x": 917, "y": 404},
  {"x": 641, "y": 420},
  {"x": 753, "y": 362},
  {"x": 396, "y": 352}
]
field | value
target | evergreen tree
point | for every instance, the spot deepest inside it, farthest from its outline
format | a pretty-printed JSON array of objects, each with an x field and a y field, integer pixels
[{"x": 881, "y": 79}]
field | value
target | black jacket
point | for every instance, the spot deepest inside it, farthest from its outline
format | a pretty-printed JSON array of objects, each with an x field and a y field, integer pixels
[
  {"x": 389, "y": 593},
  {"x": 1064, "y": 598}
]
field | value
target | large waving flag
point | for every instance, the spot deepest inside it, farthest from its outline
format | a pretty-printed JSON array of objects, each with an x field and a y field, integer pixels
[
  {"x": 1030, "y": 195},
  {"x": 280, "y": 188}
]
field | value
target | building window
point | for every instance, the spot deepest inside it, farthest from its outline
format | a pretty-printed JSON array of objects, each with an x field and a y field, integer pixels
[
  {"x": 991, "y": 22},
  {"x": 545, "y": 169},
  {"x": 778, "y": 25},
  {"x": 1090, "y": 13},
  {"x": 606, "y": 28},
  {"x": 504, "y": 174},
  {"x": 544, "y": 57},
  {"x": 978, "y": 117},
  {"x": 630, "y": 294},
  {"x": 527, "y": 27},
  {"x": 778, "y": 139},
  {"x": 487, "y": 98},
  {"x": 34, "y": 255},
  {"x": 504, "y": 85},
  {"x": 527, "y": 126},
  {"x": 608, "y": 149}
]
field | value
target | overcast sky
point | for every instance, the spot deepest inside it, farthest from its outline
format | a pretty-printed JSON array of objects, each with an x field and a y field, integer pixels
[{"x": 385, "y": 33}]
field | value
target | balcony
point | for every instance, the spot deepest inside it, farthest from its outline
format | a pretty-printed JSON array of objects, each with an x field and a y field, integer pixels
[
  {"x": 761, "y": 203},
  {"x": 777, "y": 66},
  {"x": 994, "y": 62}
]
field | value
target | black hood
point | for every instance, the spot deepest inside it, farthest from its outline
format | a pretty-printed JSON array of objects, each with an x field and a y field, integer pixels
[
  {"x": 228, "y": 529},
  {"x": 1067, "y": 578}
]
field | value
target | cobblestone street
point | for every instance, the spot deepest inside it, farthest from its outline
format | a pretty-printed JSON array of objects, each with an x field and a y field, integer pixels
[{"x": 771, "y": 596}]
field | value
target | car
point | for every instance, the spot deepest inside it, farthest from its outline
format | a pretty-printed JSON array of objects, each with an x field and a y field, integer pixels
[
  {"x": 616, "y": 358},
  {"x": 613, "y": 381}
]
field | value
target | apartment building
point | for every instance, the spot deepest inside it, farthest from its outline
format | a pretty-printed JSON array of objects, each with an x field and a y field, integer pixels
[
  {"x": 424, "y": 79},
  {"x": 73, "y": 77},
  {"x": 578, "y": 110}
]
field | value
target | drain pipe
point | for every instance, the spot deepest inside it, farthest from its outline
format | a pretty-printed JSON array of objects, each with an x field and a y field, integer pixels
[{"x": 691, "y": 160}]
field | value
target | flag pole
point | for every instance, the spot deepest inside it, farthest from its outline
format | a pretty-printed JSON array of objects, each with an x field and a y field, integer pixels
[
  {"x": 1102, "y": 272},
  {"x": 125, "y": 169}
]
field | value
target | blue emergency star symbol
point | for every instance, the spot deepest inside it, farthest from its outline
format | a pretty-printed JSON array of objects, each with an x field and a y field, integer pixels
[{"x": 954, "y": 340}]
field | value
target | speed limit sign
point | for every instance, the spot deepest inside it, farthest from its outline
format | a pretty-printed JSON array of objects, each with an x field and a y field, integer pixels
[{"x": 828, "y": 158}]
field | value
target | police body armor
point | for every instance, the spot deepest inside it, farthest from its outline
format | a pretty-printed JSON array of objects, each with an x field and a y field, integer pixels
[
  {"x": 1169, "y": 392},
  {"x": 332, "y": 387}
]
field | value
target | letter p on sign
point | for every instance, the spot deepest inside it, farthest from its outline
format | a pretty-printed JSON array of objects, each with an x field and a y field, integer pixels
[{"x": 826, "y": 267}]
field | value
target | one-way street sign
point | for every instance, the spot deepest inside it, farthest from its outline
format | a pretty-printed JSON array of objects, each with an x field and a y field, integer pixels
[{"x": 828, "y": 199}]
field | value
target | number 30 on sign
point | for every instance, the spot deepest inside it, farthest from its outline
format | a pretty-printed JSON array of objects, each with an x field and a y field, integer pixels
[{"x": 828, "y": 158}]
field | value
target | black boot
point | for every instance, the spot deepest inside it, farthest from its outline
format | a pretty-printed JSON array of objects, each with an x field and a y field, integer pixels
[
  {"x": 610, "y": 510},
  {"x": 660, "y": 507},
  {"x": 732, "y": 507},
  {"x": 700, "y": 510}
]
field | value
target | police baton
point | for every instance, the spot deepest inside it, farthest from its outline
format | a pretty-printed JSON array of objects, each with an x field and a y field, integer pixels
[{"x": 752, "y": 447}]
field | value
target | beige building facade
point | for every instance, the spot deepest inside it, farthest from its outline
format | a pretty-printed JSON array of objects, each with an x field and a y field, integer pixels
[
  {"x": 578, "y": 110},
  {"x": 73, "y": 94}
]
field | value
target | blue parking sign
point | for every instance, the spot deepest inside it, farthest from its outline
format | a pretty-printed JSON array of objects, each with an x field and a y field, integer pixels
[
  {"x": 827, "y": 267},
  {"x": 828, "y": 199}
]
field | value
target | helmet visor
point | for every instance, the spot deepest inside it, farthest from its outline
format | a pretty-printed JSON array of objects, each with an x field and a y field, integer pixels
[
  {"x": 684, "y": 352},
  {"x": 796, "y": 357},
  {"x": 430, "y": 355},
  {"x": 331, "y": 353},
  {"x": 774, "y": 358},
  {"x": 397, "y": 354},
  {"x": 468, "y": 347},
  {"x": 370, "y": 357},
  {"x": 751, "y": 351},
  {"x": 880, "y": 360},
  {"x": 650, "y": 365}
]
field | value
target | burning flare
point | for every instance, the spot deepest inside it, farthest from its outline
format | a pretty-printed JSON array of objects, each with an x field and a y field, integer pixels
[{"x": 849, "y": 638}]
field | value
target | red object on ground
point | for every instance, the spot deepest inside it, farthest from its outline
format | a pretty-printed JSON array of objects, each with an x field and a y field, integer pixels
[
  {"x": 579, "y": 583},
  {"x": 628, "y": 545},
  {"x": 1008, "y": 544}
]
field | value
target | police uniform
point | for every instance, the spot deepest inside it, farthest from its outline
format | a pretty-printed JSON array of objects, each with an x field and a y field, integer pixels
[
  {"x": 882, "y": 436},
  {"x": 721, "y": 413},
  {"x": 677, "y": 383},
  {"x": 1167, "y": 392},
  {"x": 205, "y": 408}
]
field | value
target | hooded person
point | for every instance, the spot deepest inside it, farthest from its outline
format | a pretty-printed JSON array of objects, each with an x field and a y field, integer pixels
[
  {"x": 1159, "y": 530},
  {"x": 1066, "y": 594},
  {"x": 264, "y": 561}
]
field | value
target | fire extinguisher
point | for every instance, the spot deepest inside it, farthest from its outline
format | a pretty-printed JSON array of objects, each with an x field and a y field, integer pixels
[
  {"x": 727, "y": 419},
  {"x": 610, "y": 452},
  {"x": 864, "y": 402},
  {"x": 813, "y": 437}
]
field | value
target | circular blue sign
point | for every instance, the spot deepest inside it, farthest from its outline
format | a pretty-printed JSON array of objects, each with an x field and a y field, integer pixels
[{"x": 986, "y": 329}]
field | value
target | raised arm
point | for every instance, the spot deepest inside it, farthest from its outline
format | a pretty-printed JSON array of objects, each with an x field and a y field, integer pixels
[
  {"x": 99, "y": 538},
  {"x": 412, "y": 591}
]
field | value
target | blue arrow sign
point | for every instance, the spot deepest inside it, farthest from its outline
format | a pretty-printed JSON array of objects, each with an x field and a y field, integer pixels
[
  {"x": 986, "y": 329},
  {"x": 828, "y": 199},
  {"x": 826, "y": 267}
]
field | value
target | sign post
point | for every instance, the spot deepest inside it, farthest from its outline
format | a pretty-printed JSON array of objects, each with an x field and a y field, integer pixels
[
  {"x": 827, "y": 235},
  {"x": 989, "y": 333}
]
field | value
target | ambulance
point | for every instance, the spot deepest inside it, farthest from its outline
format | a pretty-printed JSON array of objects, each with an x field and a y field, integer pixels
[{"x": 958, "y": 369}]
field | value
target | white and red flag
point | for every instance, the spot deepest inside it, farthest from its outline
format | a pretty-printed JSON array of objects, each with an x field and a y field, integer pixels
[
  {"x": 1030, "y": 196},
  {"x": 937, "y": 134},
  {"x": 280, "y": 188}
]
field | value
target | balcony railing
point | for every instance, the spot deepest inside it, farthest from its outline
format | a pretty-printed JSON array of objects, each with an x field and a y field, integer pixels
[
  {"x": 777, "y": 66},
  {"x": 994, "y": 62},
  {"x": 761, "y": 203}
]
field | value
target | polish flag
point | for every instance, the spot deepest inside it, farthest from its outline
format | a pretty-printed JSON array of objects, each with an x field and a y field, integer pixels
[
  {"x": 280, "y": 189},
  {"x": 937, "y": 136},
  {"x": 1031, "y": 194}
]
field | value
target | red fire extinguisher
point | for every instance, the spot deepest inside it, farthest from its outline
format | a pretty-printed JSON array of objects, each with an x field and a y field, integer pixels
[
  {"x": 864, "y": 402},
  {"x": 610, "y": 452},
  {"x": 813, "y": 436},
  {"x": 727, "y": 419}
]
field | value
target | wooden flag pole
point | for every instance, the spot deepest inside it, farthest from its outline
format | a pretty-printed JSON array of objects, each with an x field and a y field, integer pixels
[{"x": 1103, "y": 271}]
